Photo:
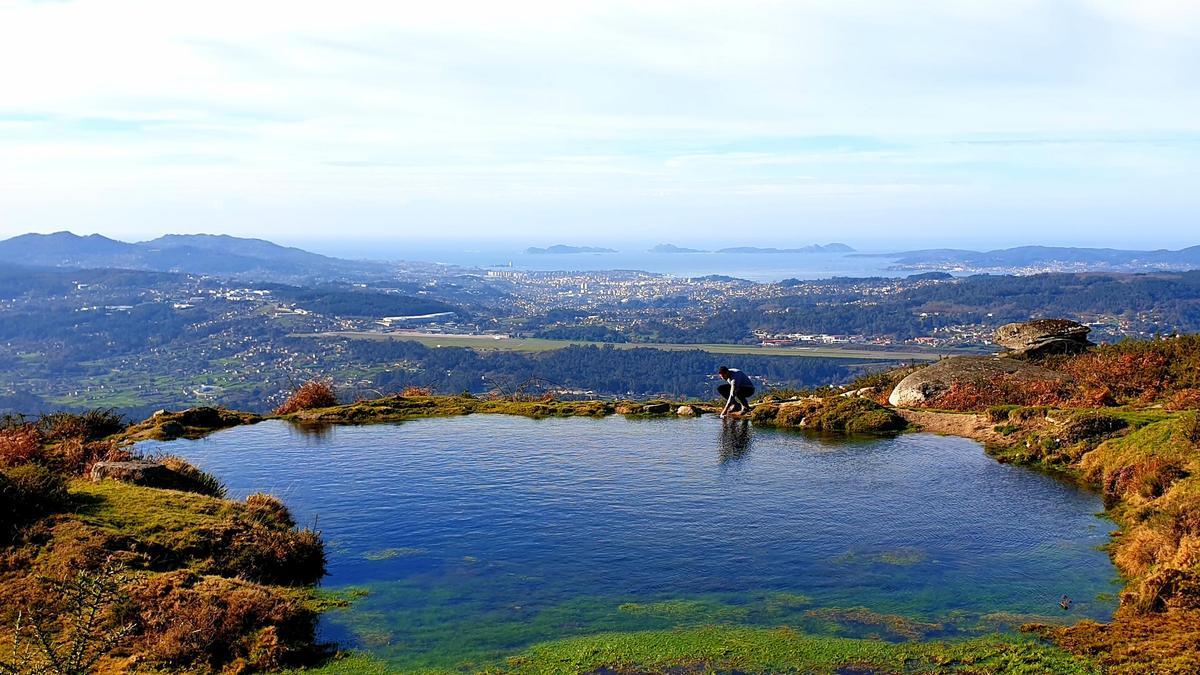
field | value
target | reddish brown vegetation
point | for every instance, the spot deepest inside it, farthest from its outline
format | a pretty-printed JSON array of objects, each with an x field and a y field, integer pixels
[
  {"x": 19, "y": 445},
  {"x": 310, "y": 395},
  {"x": 410, "y": 392},
  {"x": 1184, "y": 399},
  {"x": 1119, "y": 376},
  {"x": 976, "y": 396},
  {"x": 1135, "y": 644},
  {"x": 189, "y": 620}
]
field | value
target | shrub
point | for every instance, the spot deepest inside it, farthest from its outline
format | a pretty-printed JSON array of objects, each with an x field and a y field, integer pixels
[
  {"x": 92, "y": 425},
  {"x": 28, "y": 492},
  {"x": 192, "y": 622},
  {"x": 76, "y": 457},
  {"x": 190, "y": 479},
  {"x": 275, "y": 556},
  {"x": 19, "y": 445},
  {"x": 269, "y": 508},
  {"x": 1136, "y": 371},
  {"x": 1089, "y": 425},
  {"x": 1184, "y": 399},
  {"x": 1003, "y": 390},
  {"x": 410, "y": 392},
  {"x": 882, "y": 382},
  {"x": 1122, "y": 374},
  {"x": 1000, "y": 413},
  {"x": 1141, "y": 465},
  {"x": 71, "y": 641},
  {"x": 310, "y": 395}
]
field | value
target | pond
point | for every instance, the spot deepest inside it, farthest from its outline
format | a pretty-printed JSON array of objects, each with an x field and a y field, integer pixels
[{"x": 474, "y": 537}]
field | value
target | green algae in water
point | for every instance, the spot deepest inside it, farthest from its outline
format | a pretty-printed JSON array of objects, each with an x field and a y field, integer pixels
[
  {"x": 389, "y": 553},
  {"x": 537, "y": 531}
]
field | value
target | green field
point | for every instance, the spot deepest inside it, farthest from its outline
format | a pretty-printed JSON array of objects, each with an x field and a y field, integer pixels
[{"x": 541, "y": 345}]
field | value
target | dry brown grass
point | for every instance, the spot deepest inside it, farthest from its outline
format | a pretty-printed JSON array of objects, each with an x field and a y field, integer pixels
[
  {"x": 1003, "y": 390},
  {"x": 189, "y": 621},
  {"x": 19, "y": 445}
]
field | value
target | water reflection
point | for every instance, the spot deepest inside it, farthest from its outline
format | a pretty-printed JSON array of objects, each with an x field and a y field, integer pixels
[
  {"x": 735, "y": 440},
  {"x": 313, "y": 433}
]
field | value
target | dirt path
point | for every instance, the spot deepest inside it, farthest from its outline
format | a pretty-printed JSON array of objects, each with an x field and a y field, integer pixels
[{"x": 970, "y": 425}]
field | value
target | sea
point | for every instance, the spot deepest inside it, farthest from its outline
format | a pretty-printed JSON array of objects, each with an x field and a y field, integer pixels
[{"x": 760, "y": 267}]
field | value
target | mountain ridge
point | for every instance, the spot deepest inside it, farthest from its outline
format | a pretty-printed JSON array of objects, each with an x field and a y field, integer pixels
[{"x": 203, "y": 254}]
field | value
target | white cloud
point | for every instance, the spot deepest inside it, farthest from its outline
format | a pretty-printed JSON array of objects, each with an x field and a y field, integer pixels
[{"x": 480, "y": 106}]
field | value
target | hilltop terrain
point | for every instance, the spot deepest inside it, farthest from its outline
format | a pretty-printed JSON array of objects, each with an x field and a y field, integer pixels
[
  {"x": 1122, "y": 418},
  {"x": 74, "y": 337}
]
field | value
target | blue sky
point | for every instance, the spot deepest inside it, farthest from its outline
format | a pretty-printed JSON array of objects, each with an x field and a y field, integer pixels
[{"x": 882, "y": 124}]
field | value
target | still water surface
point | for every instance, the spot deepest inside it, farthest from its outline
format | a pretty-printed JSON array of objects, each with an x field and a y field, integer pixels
[{"x": 477, "y": 536}]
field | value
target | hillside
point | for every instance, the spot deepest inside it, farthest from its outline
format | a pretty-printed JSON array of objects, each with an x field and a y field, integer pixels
[
  {"x": 1049, "y": 257},
  {"x": 219, "y": 255},
  {"x": 1124, "y": 422}
]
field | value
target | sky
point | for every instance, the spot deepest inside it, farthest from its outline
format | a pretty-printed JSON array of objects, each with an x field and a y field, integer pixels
[{"x": 880, "y": 124}]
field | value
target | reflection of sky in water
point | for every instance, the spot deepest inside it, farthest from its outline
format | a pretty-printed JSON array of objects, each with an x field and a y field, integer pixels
[{"x": 480, "y": 535}]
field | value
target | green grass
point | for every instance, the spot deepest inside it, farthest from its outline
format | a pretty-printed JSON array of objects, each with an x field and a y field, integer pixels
[
  {"x": 543, "y": 345},
  {"x": 764, "y": 650},
  {"x": 784, "y": 650},
  {"x": 166, "y": 517}
]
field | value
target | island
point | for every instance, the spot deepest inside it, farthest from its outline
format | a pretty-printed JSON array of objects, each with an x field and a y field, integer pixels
[
  {"x": 563, "y": 249},
  {"x": 672, "y": 248},
  {"x": 812, "y": 248}
]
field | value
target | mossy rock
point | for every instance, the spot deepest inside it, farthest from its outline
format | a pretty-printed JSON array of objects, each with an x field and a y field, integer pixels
[
  {"x": 1090, "y": 424},
  {"x": 190, "y": 423},
  {"x": 854, "y": 415}
]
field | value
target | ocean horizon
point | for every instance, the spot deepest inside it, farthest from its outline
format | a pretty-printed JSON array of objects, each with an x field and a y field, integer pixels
[{"x": 760, "y": 267}]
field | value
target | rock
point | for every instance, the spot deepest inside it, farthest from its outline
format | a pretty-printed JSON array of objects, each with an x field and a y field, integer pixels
[
  {"x": 626, "y": 410},
  {"x": 686, "y": 411},
  {"x": 657, "y": 408},
  {"x": 203, "y": 417},
  {"x": 1043, "y": 337},
  {"x": 192, "y": 423},
  {"x": 808, "y": 401},
  {"x": 137, "y": 471},
  {"x": 857, "y": 393},
  {"x": 923, "y": 387}
]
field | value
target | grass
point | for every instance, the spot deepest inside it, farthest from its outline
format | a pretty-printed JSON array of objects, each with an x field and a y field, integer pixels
[
  {"x": 764, "y": 650},
  {"x": 208, "y": 535},
  {"x": 837, "y": 414},
  {"x": 543, "y": 345},
  {"x": 759, "y": 650},
  {"x": 402, "y": 408},
  {"x": 161, "y": 517}
]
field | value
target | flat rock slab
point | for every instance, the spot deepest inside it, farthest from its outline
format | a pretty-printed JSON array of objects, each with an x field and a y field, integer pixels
[
  {"x": 138, "y": 472},
  {"x": 923, "y": 387}
]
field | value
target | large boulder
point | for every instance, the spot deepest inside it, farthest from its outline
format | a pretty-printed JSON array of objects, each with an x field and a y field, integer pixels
[
  {"x": 1043, "y": 337},
  {"x": 923, "y": 387},
  {"x": 136, "y": 471}
]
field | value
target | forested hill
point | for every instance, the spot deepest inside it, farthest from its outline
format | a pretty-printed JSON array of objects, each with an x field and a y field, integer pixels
[
  {"x": 219, "y": 255},
  {"x": 604, "y": 370},
  {"x": 851, "y": 306},
  {"x": 1026, "y": 256}
]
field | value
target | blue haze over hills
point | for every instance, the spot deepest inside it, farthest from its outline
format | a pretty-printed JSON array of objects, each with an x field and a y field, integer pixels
[{"x": 223, "y": 255}]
